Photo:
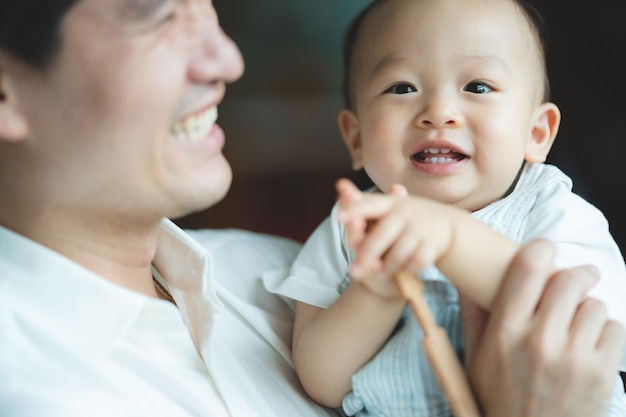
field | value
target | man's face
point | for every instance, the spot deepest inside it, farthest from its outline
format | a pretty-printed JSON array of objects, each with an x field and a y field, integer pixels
[{"x": 124, "y": 117}]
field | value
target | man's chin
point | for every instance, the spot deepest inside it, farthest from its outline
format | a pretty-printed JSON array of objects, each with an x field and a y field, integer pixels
[{"x": 202, "y": 200}]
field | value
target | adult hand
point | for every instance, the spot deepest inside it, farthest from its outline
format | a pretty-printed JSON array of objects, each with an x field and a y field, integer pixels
[{"x": 546, "y": 350}]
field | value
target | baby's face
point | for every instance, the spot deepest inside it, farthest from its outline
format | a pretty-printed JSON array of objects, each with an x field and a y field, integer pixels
[{"x": 445, "y": 94}]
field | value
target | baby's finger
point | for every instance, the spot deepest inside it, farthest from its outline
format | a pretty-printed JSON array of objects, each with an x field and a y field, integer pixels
[
  {"x": 399, "y": 190},
  {"x": 364, "y": 273},
  {"x": 355, "y": 231},
  {"x": 400, "y": 254},
  {"x": 369, "y": 206},
  {"x": 347, "y": 194},
  {"x": 347, "y": 191},
  {"x": 378, "y": 240},
  {"x": 424, "y": 256}
]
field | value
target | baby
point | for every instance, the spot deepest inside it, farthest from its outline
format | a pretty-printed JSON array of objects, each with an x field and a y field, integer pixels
[{"x": 449, "y": 114}]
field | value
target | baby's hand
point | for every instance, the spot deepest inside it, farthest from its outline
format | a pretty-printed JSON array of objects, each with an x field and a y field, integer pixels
[{"x": 392, "y": 232}]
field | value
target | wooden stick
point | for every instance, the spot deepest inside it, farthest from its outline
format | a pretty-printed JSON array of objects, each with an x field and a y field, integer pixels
[{"x": 439, "y": 350}]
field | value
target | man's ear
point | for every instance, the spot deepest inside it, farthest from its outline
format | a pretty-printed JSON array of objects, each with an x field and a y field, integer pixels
[
  {"x": 13, "y": 127},
  {"x": 546, "y": 121},
  {"x": 351, "y": 134}
]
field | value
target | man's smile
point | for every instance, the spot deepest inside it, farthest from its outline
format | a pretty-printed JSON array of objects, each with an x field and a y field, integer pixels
[{"x": 196, "y": 126}]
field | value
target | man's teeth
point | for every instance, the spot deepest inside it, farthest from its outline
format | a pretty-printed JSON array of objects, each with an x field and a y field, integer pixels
[{"x": 195, "y": 127}]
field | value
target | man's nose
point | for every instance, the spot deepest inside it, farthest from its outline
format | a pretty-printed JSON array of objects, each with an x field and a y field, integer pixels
[{"x": 215, "y": 56}]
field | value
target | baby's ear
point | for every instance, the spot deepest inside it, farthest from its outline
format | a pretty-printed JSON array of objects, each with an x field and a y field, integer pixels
[
  {"x": 545, "y": 125},
  {"x": 351, "y": 133}
]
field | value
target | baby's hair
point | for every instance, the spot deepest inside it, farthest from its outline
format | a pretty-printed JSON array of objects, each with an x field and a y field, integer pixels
[
  {"x": 538, "y": 25},
  {"x": 534, "y": 18},
  {"x": 348, "y": 48}
]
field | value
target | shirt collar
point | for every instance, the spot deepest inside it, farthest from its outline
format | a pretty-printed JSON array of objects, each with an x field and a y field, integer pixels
[
  {"x": 82, "y": 308},
  {"x": 182, "y": 263}
]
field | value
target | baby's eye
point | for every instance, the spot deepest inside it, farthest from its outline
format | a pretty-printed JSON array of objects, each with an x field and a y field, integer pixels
[
  {"x": 477, "y": 87},
  {"x": 401, "y": 88}
]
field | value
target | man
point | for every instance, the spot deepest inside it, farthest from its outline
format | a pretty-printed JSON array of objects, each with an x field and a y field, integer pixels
[{"x": 107, "y": 127}]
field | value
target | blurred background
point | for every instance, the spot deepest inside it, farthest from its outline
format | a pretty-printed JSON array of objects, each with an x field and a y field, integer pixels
[{"x": 280, "y": 118}]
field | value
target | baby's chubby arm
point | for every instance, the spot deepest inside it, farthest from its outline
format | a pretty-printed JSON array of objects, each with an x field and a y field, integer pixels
[
  {"x": 392, "y": 232},
  {"x": 330, "y": 345},
  {"x": 389, "y": 233}
]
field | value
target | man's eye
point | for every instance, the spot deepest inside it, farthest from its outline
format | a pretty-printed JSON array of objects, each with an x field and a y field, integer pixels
[
  {"x": 477, "y": 87},
  {"x": 167, "y": 18},
  {"x": 402, "y": 88}
]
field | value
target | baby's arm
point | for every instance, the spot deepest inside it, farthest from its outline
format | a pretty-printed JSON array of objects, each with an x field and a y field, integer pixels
[
  {"x": 330, "y": 345},
  {"x": 396, "y": 232}
]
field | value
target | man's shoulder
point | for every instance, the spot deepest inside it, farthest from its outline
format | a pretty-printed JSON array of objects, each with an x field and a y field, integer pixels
[{"x": 264, "y": 251}]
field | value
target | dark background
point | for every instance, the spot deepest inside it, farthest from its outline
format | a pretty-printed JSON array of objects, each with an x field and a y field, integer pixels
[{"x": 280, "y": 118}]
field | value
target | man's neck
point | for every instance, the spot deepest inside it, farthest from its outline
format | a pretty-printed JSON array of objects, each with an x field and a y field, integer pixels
[{"x": 121, "y": 252}]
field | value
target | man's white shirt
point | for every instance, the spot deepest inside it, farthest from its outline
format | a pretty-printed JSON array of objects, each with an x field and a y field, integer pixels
[{"x": 75, "y": 344}]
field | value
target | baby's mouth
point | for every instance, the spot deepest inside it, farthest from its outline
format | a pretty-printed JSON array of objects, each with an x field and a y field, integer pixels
[
  {"x": 196, "y": 126},
  {"x": 437, "y": 156}
]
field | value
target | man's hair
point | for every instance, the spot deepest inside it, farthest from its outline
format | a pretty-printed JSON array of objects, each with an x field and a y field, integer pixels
[
  {"x": 30, "y": 29},
  {"x": 534, "y": 18}
]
